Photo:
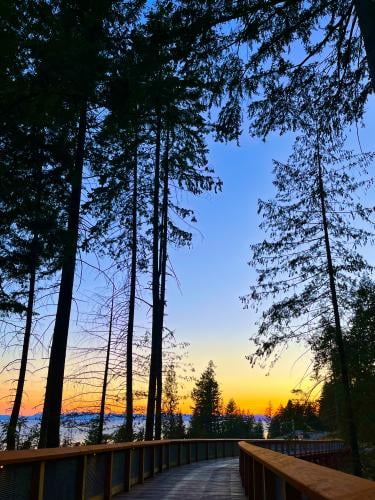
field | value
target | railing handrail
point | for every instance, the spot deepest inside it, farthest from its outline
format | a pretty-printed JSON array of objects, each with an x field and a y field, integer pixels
[
  {"x": 47, "y": 454},
  {"x": 310, "y": 479}
]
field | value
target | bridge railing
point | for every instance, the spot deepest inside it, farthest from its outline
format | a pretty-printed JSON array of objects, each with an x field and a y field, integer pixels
[
  {"x": 331, "y": 453},
  {"x": 269, "y": 475},
  {"x": 98, "y": 471}
]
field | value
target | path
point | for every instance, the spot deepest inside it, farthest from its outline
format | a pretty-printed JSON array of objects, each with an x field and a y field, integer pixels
[{"x": 213, "y": 479}]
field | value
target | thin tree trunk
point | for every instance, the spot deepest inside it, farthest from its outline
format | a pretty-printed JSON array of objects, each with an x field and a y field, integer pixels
[
  {"x": 12, "y": 426},
  {"x": 149, "y": 434},
  {"x": 344, "y": 372},
  {"x": 106, "y": 369},
  {"x": 130, "y": 332},
  {"x": 163, "y": 273},
  {"x": 365, "y": 10},
  {"x": 50, "y": 426}
]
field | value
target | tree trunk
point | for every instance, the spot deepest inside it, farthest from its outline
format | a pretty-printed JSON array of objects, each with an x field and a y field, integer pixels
[
  {"x": 50, "y": 426},
  {"x": 130, "y": 332},
  {"x": 163, "y": 273},
  {"x": 365, "y": 10},
  {"x": 12, "y": 426},
  {"x": 344, "y": 372},
  {"x": 151, "y": 399},
  {"x": 106, "y": 369}
]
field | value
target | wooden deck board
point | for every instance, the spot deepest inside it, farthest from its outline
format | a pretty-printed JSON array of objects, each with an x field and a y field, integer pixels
[{"x": 214, "y": 479}]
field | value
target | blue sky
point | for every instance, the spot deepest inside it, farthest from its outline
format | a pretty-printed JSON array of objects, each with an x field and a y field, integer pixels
[{"x": 206, "y": 310}]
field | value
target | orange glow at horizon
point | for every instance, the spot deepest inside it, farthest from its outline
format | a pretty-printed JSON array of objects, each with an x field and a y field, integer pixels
[{"x": 251, "y": 388}]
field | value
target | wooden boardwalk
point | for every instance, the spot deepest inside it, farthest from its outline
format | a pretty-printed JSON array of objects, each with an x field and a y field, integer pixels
[{"x": 212, "y": 479}]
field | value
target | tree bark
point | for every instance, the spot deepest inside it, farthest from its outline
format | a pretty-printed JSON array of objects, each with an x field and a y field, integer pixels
[
  {"x": 343, "y": 363},
  {"x": 130, "y": 330},
  {"x": 106, "y": 370},
  {"x": 12, "y": 426},
  {"x": 365, "y": 10},
  {"x": 50, "y": 426},
  {"x": 163, "y": 274},
  {"x": 151, "y": 398}
]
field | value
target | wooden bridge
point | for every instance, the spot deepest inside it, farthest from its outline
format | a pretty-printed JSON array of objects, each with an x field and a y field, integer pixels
[{"x": 192, "y": 469}]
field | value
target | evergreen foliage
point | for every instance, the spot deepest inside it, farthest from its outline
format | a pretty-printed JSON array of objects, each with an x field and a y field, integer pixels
[
  {"x": 172, "y": 421},
  {"x": 359, "y": 344},
  {"x": 293, "y": 418},
  {"x": 292, "y": 262},
  {"x": 206, "y": 396},
  {"x": 105, "y": 111},
  {"x": 317, "y": 225}
]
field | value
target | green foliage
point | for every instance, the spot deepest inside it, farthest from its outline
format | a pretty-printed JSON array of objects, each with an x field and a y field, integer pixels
[
  {"x": 295, "y": 416},
  {"x": 92, "y": 436},
  {"x": 209, "y": 420},
  {"x": 26, "y": 437},
  {"x": 359, "y": 339},
  {"x": 172, "y": 421},
  {"x": 292, "y": 262},
  {"x": 234, "y": 424},
  {"x": 205, "y": 420}
]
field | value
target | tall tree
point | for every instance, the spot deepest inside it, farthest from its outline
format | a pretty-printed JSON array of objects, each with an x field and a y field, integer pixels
[
  {"x": 32, "y": 221},
  {"x": 358, "y": 338},
  {"x": 206, "y": 409},
  {"x": 80, "y": 47},
  {"x": 313, "y": 251},
  {"x": 289, "y": 47},
  {"x": 180, "y": 162}
]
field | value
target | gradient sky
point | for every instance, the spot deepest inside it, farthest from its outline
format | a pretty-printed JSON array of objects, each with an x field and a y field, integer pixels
[
  {"x": 204, "y": 308},
  {"x": 213, "y": 274}
]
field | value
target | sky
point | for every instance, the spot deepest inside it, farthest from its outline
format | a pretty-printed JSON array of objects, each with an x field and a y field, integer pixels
[{"x": 204, "y": 307}]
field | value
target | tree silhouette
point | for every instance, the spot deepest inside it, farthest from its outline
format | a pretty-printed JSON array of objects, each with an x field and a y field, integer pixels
[{"x": 313, "y": 252}]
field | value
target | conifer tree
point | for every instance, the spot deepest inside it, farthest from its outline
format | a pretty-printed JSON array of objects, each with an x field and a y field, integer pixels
[
  {"x": 180, "y": 162},
  {"x": 205, "y": 421},
  {"x": 32, "y": 220},
  {"x": 328, "y": 47},
  {"x": 317, "y": 225},
  {"x": 78, "y": 57},
  {"x": 358, "y": 338},
  {"x": 172, "y": 422}
]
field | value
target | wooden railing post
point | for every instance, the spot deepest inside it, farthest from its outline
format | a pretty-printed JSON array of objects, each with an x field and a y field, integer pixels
[
  {"x": 108, "y": 476},
  {"x": 81, "y": 475},
  {"x": 160, "y": 454},
  {"x": 152, "y": 466},
  {"x": 141, "y": 470},
  {"x": 168, "y": 455},
  {"x": 258, "y": 480},
  {"x": 246, "y": 472},
  {"x": 37, "y": 481},
  {"x": 127, "y": 469}
]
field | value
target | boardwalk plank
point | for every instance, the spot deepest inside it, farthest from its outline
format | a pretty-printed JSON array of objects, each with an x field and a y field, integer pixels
[{"x": 214, "y": 479}]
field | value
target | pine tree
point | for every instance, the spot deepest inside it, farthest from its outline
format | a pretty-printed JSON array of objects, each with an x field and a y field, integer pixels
[
  {"x": 358, "y": 338},
  {"x": 172, "y": 422},
  {"x": 77, "y": 56},
  {"x": 324, "y": 47},
  {"x": 205, "y": 421},
  {"x": 31, "y": 220},
  {"x": 313, "y": 249}
]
